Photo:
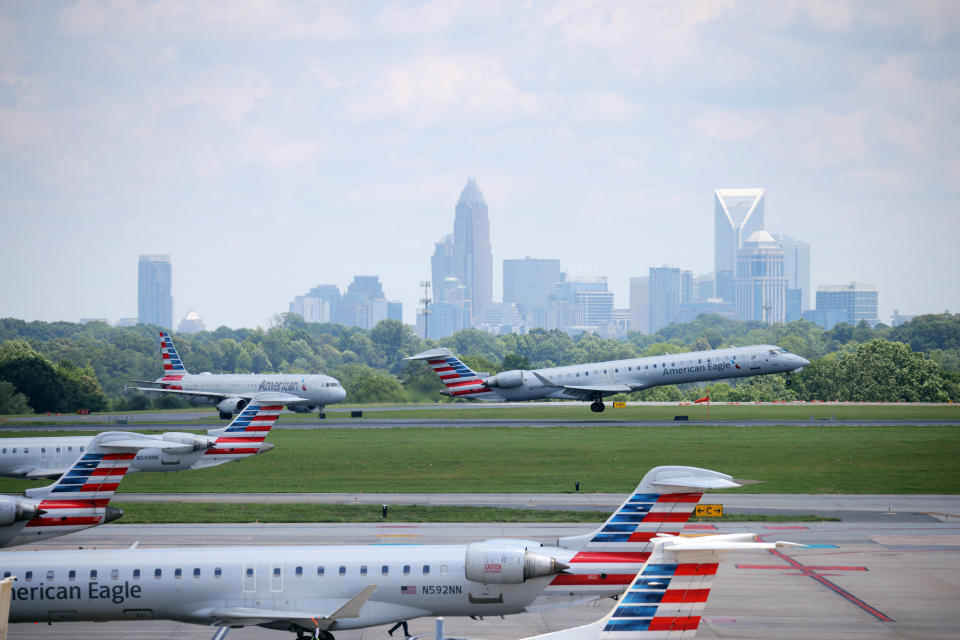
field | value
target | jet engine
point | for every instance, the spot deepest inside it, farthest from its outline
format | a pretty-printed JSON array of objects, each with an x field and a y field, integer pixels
[
  {"x": 303, "y": 408},
  {"x": 507, "y": 562},
  {"x": 506, "y": 379},
  {"x": 231, "y": 405},
  {"x": 13, "y": 510},
  {"x": 189, "y": 441}
]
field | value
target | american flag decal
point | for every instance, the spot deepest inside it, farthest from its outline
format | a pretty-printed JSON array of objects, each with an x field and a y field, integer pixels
[{"x": 408, "y": 590}]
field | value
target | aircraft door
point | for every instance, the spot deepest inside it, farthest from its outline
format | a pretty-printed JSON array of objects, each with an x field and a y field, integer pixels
[
  {"x": 754, "y": 362},
  {"x": 276, "y": 577},
  {"x": 58, "y": 454},
  {"x": 249, "y": 577},
  {"x": 43, "y": 454},
  {"x": 169, "y": 459}
]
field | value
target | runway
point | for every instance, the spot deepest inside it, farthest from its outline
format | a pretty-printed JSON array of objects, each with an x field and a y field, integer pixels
[
  {"x": 859, "y": 580},
  {"x": 400, "y": 423}
]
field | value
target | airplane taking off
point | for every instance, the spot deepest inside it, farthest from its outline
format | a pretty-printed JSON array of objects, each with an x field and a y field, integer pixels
[
  {"x": 669, "y": 593},
  {"x": 231, "y": 392},
  {"x": 596, "y": 380},
  {"x": 51, "y": 456},
  {"x": 79, "y": 499},
  {"x": 303, "y": 589}
]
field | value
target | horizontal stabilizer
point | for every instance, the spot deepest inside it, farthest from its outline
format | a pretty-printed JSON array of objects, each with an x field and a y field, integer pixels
[
  {"x": 432, "y": 354},
  {"x": 675, "y": 479},
  {"x": 45, "y": 472}
]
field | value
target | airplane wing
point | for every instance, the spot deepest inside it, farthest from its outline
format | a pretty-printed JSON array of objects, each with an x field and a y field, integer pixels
[
  {"x": 587, "y": 391},
  {"x": 308, "y": 620},
  {"x": 283, "y": 398}
]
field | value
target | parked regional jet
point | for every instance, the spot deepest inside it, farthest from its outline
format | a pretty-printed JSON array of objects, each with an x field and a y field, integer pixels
[
  {"x": 596, "y": 380},
  {"x": 231, "y": 392},
  {"x": 51, "y": 456},
  {"x": 79, "y": 499},
  {"x": 303, "y": 589},
  {"x": 668, "y": 595}
]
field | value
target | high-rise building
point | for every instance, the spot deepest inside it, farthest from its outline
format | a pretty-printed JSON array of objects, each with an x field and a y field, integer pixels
[
  {"x": 760, "y": 285},
  {"x": 451, "y": 310},
  {"x": 154, "y": 299},
  {"x": 738, "y": 213},
  {"x": 858, "y": 301},
  {"x": 318, "y": 305},
  {"x": 441, "y": 263},
  {"x": 191, "y": 323},
  {"x": 364, "y": 304},
  {"x": 666, "y": 294},
  {"x": 796, "y": 269},
  {"x": 568, "y": 310},
  {"x": 594, "y": 309},
  {"x": 640, "y": 304},
  {"x": 472, "y": 258},
  {"x": 704, "y": 287},
  {"x": 528, "y": 284}
]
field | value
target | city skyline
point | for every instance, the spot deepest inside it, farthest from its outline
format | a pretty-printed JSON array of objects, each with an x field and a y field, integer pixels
[{"x": 297, "y": 144}]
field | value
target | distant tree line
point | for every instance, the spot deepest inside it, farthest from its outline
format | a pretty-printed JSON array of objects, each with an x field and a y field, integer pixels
[{"x": 62, "y": 366}]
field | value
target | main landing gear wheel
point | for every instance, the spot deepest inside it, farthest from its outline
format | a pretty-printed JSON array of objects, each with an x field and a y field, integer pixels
[
  {"x": 321, "y": 414},
  {"x": 597, "y": 406}
]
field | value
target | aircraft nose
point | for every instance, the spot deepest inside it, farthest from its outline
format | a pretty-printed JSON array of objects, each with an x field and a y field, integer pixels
[
  {"x": 265, "y": 446},
  {"x": 111, "y": 513},
  {"x": 341, "y": 394},
  {"x": 801, "y": 361}
]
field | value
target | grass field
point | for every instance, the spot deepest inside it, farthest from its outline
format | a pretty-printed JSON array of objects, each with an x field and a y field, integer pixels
[
  {"x": 567, "y": 411},
  {"x": 822, "y": 459},
  {"x": 137, "y": 512}
]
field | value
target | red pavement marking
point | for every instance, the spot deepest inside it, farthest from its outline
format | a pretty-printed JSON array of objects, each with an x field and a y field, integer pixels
[{"x": 811, "y": 571}]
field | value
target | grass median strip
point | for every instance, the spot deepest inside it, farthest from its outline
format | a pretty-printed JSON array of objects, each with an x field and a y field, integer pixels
[
  {"x": 210, "y": 512},
  {"x": 821, "y": 459}
]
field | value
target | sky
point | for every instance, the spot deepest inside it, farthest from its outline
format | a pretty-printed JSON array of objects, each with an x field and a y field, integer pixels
[{"x": 269, "y": 146}]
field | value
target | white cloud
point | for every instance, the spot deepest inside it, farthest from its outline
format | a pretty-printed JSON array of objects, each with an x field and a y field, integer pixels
[
  {"x": 417, "y": 19},
  {"x": 434, "y": 89},
  {"x": 228, "y": 92},
  {"x": 266, "y": 19},
  {"x": 599, "y": 106},
  {"x": 731, "y": 126}
]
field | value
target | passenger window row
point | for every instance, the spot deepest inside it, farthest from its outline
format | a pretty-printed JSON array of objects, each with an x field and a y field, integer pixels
[{"x": 135, "y": 574}]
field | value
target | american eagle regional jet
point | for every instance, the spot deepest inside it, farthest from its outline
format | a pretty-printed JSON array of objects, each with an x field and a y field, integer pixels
[
  {"x": 51, "y": 456},
  {"x": 323, "y": 589},
  {"x": 596, "y": 380},
  {"x": 231, "y": 392},
  {"x": 80, "y": 498}
]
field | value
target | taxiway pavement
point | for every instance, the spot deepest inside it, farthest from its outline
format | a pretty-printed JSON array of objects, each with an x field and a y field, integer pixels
[{"x": 856, "y": 581}]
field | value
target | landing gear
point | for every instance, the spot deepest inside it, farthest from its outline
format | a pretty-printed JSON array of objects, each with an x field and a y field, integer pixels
[
  {"x": 597, "y": 406},
  {"x": 225, "y": 416},
  {"x": 321, "y": 414},
  {"x": 307, "y": 635}
]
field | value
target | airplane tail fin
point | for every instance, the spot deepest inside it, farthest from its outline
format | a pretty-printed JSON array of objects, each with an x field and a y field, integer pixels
[
  {"x": 662, "y": 503},
  {"x": 245, "y": 435},
  {"x": 667, "y": 595},
  {"x": 172, "y": 365},
  {"x": 79, "y": 499},
  {"x": 460, "y": 381}
]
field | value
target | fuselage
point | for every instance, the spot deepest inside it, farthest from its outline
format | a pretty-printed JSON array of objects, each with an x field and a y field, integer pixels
[
  {"x": 316, "y": 389},
  {"x": 48, "y": 457},
  {"x": 643, "y": 373},
  {"x": 201, "y": 585}
]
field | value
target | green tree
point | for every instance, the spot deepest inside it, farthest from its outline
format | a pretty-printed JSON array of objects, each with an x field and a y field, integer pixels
[
  {"x": 32, "y": 375},
  {"x": 11, "y": 401},
  {"x": 515, "y": 361}
]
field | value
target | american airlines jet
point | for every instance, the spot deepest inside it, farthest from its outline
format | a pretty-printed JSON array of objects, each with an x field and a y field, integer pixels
[
  {"x": 51, "y": 456},
  {"x": 79, "y": 499},
  {"x": 329, "y": 588},
  {"x": 231, "y": 392},
  {"x": 596, "y": 380}
]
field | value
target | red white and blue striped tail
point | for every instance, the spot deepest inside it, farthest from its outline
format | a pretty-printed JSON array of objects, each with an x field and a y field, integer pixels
[
  {"x": 661, "y": 504},
  {"x": 666, "y": 597},
  {"x": 246, "y": 434},
  {"x": 80, "y": 497},
  {"x": 458, "y": 379},
  {"x": 171, "y": 359}
]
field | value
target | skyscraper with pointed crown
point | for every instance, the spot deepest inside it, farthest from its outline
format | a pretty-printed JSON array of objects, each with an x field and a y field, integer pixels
[{"x": 471, "y": 260}]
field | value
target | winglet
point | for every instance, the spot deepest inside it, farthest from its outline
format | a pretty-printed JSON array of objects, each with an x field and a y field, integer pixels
[
  {"x": 351, "y": 609},
  {"x": 545, "y": 381}
]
